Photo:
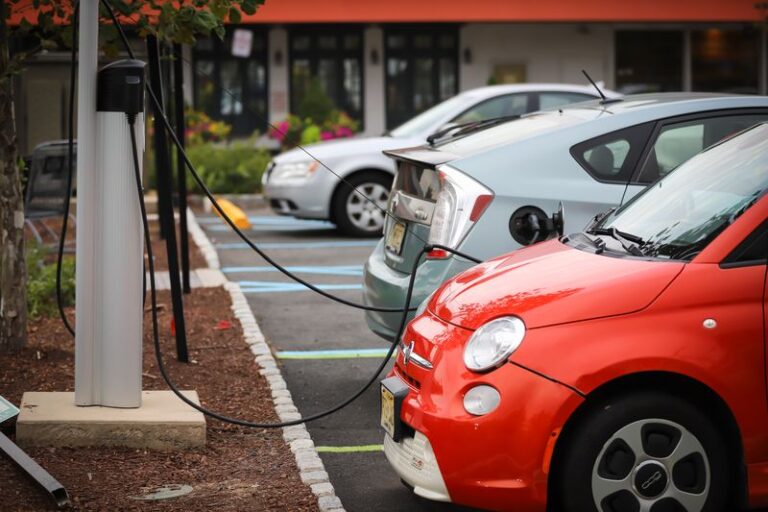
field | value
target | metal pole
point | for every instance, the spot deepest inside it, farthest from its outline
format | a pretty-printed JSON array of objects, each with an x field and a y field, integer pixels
[
  {"x": 178, "y": 92},
  {"x": 108, "y": 330},
  {"x": 165, "y": 203}
]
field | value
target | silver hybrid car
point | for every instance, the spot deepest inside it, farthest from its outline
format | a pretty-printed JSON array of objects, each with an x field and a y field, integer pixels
[
  {"x": 297, "y": 185},
  {"x": 492, "y": 190}
]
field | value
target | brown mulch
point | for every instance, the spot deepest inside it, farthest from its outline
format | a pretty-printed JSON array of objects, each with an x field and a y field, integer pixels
[{"x": 239, "y": 469}]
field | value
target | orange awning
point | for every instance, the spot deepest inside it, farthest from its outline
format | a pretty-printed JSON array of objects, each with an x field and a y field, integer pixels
[{"x": 462, "y": 11}]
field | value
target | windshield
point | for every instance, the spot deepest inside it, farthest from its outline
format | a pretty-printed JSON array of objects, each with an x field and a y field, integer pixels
[
  {"x": 679, "y": 215},
  {"x": 427, "y": 119}
]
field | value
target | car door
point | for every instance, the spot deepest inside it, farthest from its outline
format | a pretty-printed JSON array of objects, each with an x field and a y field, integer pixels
[{"x": 674, "y": 141}]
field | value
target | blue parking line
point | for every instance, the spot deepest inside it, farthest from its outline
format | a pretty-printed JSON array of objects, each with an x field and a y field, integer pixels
[
  {"x": 333, "y": 354},
  {"x": 299, "y": 245},
  {"x": 274, "y": 227},
  {"x": 331, "y": 270},
  {"x": 274, "y": 287}
]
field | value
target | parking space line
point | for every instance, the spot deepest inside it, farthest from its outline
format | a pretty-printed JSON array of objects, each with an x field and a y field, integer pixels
[
  {"x": 270, "y": 220},
  {"x": 333, "y": 354},
  {"x": 298, "y": 245},
  {"x": 273, "y": 227},
  {"x": 366, "y": 448},
  {"x": 274, "y": 287},
  {"x": 333, "y": 270}
]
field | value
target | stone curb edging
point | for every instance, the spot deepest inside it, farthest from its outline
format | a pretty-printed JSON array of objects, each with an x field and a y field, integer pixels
[
  {"x": 202, "y": 241},
  {"x": 311, "y": 469}
]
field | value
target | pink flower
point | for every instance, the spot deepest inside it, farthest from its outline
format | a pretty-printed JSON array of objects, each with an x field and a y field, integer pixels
[
  {"x": 325, "y": 135},
  {"x": 343, "y": 131}
]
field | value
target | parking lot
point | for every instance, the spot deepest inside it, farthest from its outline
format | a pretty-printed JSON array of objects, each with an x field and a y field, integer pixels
[{"x": 325, "y": 349}]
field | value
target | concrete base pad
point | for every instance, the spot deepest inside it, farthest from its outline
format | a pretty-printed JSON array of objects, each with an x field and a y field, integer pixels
[{"x": 163, "y": 422}]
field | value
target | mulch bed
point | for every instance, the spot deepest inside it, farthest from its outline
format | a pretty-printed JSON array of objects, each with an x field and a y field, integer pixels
[{"x": 239, "y": 469}]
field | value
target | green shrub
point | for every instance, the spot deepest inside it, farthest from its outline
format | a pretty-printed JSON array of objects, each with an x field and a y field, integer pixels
[
  {"x": 41, "y": 282},
  {"x": 228, "y": 169},
  {"x": 314, "y": 103}
]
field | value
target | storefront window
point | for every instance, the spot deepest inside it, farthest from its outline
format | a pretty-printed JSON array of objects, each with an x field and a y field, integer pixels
[
  {"x": 231, "y": 79},
  {"x": 725, "y": 60},
  {"x": 421, "y": 70},
  {"x": 327, "y": 62},
  {"x": 649, "y": 61}
]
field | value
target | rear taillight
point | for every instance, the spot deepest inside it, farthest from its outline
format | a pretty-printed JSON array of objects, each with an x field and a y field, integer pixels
[{"x": 460, "y": 203}]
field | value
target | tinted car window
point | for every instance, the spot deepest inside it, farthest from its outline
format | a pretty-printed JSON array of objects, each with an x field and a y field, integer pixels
[
  {"x": 502, "y": 106},
  {"x": 556, "y": 99},
  {"x": 753, "y": 251},
  {"x": 678, "y": 142},
  {"x": 612, "y": 157}
]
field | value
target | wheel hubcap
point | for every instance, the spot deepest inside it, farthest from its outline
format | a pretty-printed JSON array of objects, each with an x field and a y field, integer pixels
[
  {"x": 366, "y": 206},
  {"x": 651, "y": 465}
]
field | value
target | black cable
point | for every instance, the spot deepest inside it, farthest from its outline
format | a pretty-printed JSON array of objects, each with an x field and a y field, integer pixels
[
  {"x": 212, "y": 198},
  {"x": 70, "y": 157},
  {"x": 155, "y": 330}
]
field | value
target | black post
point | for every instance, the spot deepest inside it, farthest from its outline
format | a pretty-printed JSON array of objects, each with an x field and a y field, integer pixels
[
  {"x": 165, "y": 201},
  {"x": 178, "y": 90}
]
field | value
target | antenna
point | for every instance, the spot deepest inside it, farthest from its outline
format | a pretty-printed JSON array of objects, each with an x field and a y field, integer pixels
[{"x": 594, "y": 85}]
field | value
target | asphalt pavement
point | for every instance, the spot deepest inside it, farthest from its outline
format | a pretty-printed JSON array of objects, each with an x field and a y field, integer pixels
[{"x": 325, "y": 349}]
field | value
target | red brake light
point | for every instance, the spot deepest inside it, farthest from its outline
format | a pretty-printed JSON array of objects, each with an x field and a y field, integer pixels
[
  {"x": 481, "y": 203},
  {"x": 437, "y": 254}
]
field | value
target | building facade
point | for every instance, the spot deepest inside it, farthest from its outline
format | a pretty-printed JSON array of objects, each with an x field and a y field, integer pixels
[{"x": 383, "y": 62}]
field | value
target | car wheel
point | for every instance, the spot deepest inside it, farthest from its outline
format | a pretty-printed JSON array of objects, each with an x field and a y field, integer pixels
[
  {"x": 644, "y": 453},
  {"x": 360, "y": 205}
]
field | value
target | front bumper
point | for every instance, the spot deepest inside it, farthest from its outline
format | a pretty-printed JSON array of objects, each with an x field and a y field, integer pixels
[
  {"x": 499, "y": 461},
  {"x": 387, "y": 288},
  {"x": 311, "y": 200}
]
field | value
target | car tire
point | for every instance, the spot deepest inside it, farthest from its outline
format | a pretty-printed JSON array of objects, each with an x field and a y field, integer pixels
[
  {"x": 656, "y": 446},
  {"x": 356, "y": 216}
]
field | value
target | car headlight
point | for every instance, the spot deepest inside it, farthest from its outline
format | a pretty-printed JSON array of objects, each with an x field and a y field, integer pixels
[
  {"x": 292, "y": 173},
  {"x": 493, "y": 343}
]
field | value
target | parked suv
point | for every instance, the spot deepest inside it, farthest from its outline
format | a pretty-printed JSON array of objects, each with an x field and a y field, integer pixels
[
  {"x": 614, "y": 370},
  {"x": 485, "y": 193},
  {"x": 297, "y": 185}
]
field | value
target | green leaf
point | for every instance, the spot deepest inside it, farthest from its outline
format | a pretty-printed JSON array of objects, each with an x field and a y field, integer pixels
[{"x": 234, "y": 15}]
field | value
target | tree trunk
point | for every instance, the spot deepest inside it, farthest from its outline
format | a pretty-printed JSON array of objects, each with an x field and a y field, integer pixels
[{"x": 13, "y": 272}]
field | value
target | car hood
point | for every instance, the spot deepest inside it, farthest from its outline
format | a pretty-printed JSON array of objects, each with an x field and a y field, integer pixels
[
  {"x": 551, "y": 283},
  {"x": 344, "y": 147}
]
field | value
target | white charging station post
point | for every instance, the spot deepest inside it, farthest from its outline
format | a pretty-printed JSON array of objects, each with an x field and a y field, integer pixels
[{"x": 109, "y": 310}]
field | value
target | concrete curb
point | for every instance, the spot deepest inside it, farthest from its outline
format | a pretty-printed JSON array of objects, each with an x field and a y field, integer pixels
[
  {"x": 202, "y": 242},
  {"x": 311, "y": 469}
]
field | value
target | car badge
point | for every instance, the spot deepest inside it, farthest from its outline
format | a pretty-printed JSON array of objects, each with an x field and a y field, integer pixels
[{"x": 407, "y": 354}]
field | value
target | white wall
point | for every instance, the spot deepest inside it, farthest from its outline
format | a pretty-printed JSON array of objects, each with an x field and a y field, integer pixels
[
  {"x": 374, "y": 81},
  {"x": 551, "y": 53},
  {"x": 279, "y": 97}
]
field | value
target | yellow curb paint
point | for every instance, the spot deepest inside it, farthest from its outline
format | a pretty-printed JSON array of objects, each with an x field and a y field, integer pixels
[
  {"x": 237, "y": 215},
  {"x": 350, "y": 449}
]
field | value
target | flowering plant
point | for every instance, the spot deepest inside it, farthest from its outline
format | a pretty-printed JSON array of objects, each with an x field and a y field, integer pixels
[
  {"x": 295, "y": 130},
  {"x": 201, "y": 128}
]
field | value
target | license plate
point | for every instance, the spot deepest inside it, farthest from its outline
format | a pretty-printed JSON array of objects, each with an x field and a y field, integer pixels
[
  {"x": 388, "y": 411},
  {"x": 395, "y": 237}
]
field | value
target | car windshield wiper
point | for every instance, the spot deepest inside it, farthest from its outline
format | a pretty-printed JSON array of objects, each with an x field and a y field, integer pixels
[
  {"x": 465, "y": 128},
  {"x": 631, "y": 243}
]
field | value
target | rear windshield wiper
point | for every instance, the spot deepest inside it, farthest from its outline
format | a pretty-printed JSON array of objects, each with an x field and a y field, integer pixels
[
  {"x": 465, "y": 128},
  {"x": 631, "y": 243}
]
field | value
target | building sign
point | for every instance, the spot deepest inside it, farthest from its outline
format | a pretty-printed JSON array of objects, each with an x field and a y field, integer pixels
[
  {"x": 242, "y": 42},
  {"x": 7, "y": 410}
]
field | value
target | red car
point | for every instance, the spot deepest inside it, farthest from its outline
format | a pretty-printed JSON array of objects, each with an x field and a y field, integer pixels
[{"x": 621, "y": 369}]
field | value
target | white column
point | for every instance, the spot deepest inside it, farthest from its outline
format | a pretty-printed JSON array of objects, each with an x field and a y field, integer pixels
[
  {"x": 86, "y": 368},
  {"x": 374, "y": 97},
  {"x": 108, "y": 360},
  {"x": 279, "y": 97}
]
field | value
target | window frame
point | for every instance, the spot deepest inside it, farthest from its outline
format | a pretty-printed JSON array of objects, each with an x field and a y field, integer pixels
[
  {"x": 411, "y": 54},
  {"x": 733, "y": 261},
  {"x": 662, "y": 123},
  {"x": 314, "y": 54},
  {"x": 217, "y": 54},
  {"x": 635, "y": 136}
]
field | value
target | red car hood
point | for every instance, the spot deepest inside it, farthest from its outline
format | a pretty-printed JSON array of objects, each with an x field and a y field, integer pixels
[{"x": 549, "y": 284}]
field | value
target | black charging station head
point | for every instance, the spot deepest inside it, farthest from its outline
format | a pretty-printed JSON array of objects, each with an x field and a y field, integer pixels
[{"x": 120, "y": 87}]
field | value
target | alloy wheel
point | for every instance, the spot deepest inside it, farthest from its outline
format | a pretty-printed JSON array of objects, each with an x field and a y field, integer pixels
[
  {"x": 368, "y": 214},
  {"x": 651, "y": 465}
]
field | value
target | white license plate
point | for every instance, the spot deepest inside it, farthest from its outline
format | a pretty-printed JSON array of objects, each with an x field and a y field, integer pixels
[
  {"x": 388, "y": 411},
  {"x": 395, "y": 237}
]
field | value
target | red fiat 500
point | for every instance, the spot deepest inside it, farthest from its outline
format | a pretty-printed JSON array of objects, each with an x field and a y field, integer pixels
[{"x": 622, "y": 369}]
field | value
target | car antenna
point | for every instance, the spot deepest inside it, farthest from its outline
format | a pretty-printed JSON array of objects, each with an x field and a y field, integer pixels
[{"x": 603, "y": 100}]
